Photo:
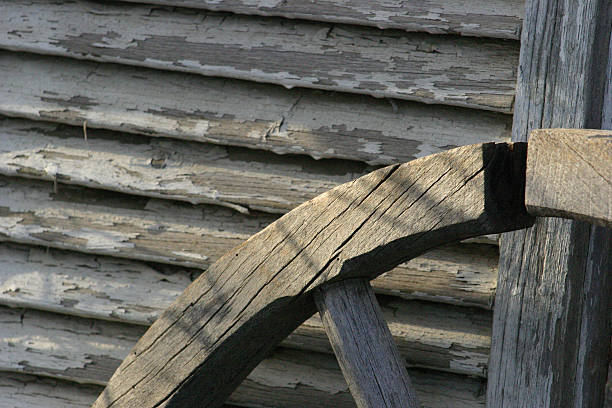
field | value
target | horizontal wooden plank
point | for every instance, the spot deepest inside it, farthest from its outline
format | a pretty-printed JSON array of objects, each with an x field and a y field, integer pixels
[
  {"x": 439, "y": 337},
  {"x": 88, "y": 351},
  {"x": 461, "y": 71},
  {"x": 241, "y": 179},
  {"x": 231, "y": 112},
  {"x": 100, "y": 222},
  {"x": 28, "y": 391},
  {"x": 496, "y": 18},
  {"x": 106, "y": 223}
]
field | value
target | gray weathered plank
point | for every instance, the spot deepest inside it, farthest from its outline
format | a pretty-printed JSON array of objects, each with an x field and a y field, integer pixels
[
  {"x": 87, "y": 351},
  {"x": 497, "y": 18},
  {"x": 194, "y": 172},
  {"x": 299, "y": 121},
  {"x": 429, "y": 335},
  {"x": 569, "y": 175},
  {"x": 551, "y": 328},
  {"x": 28, "y": 391},
  {"x": 460, "y": 71},
  {"x": 104, "y": 223},
  {"x": 371, "y": 364},
  {"x": 226, "y": 321},
  {"x": 101, "y": 222}
]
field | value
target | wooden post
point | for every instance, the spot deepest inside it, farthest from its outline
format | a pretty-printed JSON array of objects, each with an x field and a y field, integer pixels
[
  {"x": 364, "y": 347},
  {"x": 551, "y": 330}
]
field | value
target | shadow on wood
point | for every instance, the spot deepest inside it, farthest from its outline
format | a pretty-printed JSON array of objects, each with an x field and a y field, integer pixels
[{"x": 226, "y": 321}]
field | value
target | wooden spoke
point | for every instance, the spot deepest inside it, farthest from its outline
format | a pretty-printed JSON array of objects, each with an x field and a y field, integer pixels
[{"x": 364, "y": 347}]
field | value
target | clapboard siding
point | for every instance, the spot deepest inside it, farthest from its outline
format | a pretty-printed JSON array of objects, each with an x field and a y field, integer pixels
[
  {"x": 154, "y": 230},
  {"x": 100, "y": 222},
  {"x": 495, "y": 18},
  {"x": 28, "y": 391},
  {"x": 231, "y": 112},
  {"x": 440, "y": 337},
  {"x": 194, "y": 172},
  {"x": 88, "y": 351},
  {"x": 462, "y": 71}
]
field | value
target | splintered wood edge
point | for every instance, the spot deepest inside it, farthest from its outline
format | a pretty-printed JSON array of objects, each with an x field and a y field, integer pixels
[
  {"x": 569, "y": 175},
  {"x": 231, "y": 317}
]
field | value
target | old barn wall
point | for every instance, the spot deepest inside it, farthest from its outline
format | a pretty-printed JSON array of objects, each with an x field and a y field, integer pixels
[{"x": 140, "y": 140}]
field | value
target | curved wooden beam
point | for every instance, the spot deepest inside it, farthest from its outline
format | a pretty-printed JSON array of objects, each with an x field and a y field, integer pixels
[{"x": 226, "y": 321}]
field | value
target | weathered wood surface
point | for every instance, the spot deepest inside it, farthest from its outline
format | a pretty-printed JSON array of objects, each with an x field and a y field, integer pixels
[
  {"x": 223, "y": 111},
  {"x": 463, "y": 274},
  {"x": 28, "y": 391},
  {"x": 429, "y": 335},
  {"x": 104, "y": 223},
  {"x": 608, "y": 403},
  {"x": 551, "y": 330},
  {"x": 364, "y": 347},
  {"x": 569, "y": 175},
  {"x": 497, "y": 18},
  {"x": 88, "y": 351},
  {"x": 194, "y": 172},
  {"x": 461, "y": 71},
  {"x": 227, "y": 320},
  {"x": 101, "y": 222}
]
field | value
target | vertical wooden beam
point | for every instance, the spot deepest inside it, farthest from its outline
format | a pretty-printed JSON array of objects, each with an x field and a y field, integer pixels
[
  {"x": 606, "y": 123},
  {"x": 364, "y": 347},
  {"x": 551, "y": 329}
]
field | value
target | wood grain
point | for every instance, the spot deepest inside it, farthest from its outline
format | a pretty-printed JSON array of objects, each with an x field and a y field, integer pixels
[
  {"x": 569, "y": 175},
  {"x": 28, "y": 391},
  {"x": 226, "y": 321},
  {"x": 87, "y": 351},
  {"x": 435, "y": 336},
  {"x": 459, "y": 71},
  {"x": 198, "y": 173},
  {"x": 371, "y": 364},
  {"x": 99, "y": 222},
  {"x": 497, "y": 18},
  {"x": 122, "y": 226},
  {"x": 551, "y": 329},
  {"x": 230, "y": 112}
]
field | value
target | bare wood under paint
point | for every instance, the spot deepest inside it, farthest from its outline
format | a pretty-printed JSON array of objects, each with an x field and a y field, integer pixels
[
  {"x": 460, "y": 71},
  {"x": 230, "y": 112},
  {"x": 497, "y": 18},
  {"x": 250, "y": 303},
  {"x": 194, "y": 172},
  {"x": 87, "y": 351},
  {"x": 569, "y": 175},
  {"x": 371, "y": 364}
]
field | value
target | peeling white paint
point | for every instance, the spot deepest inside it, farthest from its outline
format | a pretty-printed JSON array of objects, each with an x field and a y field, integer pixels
[{"x": 186, "y": 254}]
